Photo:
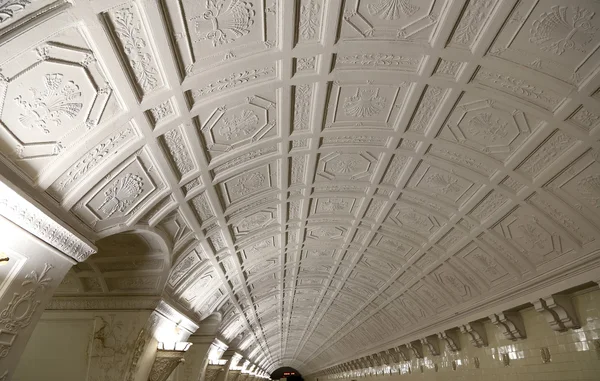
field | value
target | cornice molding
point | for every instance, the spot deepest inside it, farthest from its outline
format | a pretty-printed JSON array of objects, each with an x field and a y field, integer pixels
[
  {"x": 104, "y": 303},
  {"x": 37, "y": 221}
]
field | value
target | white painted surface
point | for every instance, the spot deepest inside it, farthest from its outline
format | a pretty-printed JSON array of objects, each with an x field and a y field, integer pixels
[{"x": 328, "y": 175}]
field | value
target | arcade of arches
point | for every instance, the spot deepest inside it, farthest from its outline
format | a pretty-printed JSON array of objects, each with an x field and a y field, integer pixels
[{"x": 211, "y": 190}]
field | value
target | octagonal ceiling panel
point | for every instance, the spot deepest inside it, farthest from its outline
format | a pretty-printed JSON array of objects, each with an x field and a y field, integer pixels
[{"x": 332, "y": 176}]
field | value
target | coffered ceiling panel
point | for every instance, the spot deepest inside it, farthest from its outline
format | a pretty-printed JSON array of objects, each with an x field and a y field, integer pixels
[{"x": 332, "y": 176}]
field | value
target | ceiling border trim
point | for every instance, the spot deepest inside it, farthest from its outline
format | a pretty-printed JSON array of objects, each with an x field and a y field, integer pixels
[{"x": 31, "y": 216}]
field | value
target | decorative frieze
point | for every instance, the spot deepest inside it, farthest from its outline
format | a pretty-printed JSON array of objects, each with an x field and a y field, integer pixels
[{"x": 35, "y": 220}]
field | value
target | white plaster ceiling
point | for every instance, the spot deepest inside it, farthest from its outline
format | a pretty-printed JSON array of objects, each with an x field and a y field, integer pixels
[{"x": 331, "y": 176}]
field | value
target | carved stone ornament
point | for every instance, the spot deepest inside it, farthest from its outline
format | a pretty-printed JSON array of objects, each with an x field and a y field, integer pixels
[
  {"x": 559, "y": 312},
  {"x": 18, "y": 314},
  {"x": 164, "y": 364},
  {"x": 477, "y": 334},
  {"x": 35, "y": 220},
  {"x": 510, "y": 324}
]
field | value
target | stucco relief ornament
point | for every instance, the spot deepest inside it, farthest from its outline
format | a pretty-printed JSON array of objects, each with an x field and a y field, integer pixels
[
  {"x": 178, "y": 150},
  {"x": 444, "y": 184},
  {"x": 19, "y": 311},
  {"x": 241, "y": 125},
  {"x": 532, "y": 236},
  {"x": 250, "y": 182},
  {"x": 471, "y": 22},
  {"x": 123, "y": 192},
  {"x": 302, "y": 107},
  {"x": 141, "y": 62},
  {"x": 58, "y": 100},
  {"x": 563, "y": 29},
  {"x": 589, "y": 187},
  {"x": 162, "y": 111},
  {"x": 392, "y": 9},
  {"x": 309, "y": 21},
  {"x": 487, "y": 126},
  {"x": 233, "y": 80},
  {"x": 333, "y": 205},
  {"x": 345, "y": 166},
  {"x": 10, "y": 7},
  {"x": 365, "y": 103},
  {"x": 227, "y": 25}
]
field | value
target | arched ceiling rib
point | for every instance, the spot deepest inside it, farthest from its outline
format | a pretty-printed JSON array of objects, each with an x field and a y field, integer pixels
[{"x": 329, "y": 175}]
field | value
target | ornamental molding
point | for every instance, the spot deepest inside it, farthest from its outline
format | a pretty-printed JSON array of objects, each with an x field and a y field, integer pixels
[
  {"x": 37, "y": 221},
  {"x": 103, "y": 303}
]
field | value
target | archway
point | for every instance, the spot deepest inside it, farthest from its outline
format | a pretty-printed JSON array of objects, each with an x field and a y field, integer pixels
[
  {"x": 286, "y": 372},
  {"x": 133, "y": 262}
]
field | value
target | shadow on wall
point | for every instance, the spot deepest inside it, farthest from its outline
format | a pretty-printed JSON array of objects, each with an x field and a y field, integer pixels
[{"x": 290, "y": 374}]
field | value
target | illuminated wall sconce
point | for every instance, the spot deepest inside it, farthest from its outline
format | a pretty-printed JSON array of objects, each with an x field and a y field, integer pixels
[{"x": 168, "y": 356}]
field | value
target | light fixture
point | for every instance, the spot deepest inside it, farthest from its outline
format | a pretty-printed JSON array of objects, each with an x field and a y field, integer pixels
[
  {"x": 3, "y": 259},
  {"x": 179, "y": 346}
]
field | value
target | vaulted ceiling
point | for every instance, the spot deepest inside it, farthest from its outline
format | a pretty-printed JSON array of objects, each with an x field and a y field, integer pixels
[{"x": 332, "y": 176}]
